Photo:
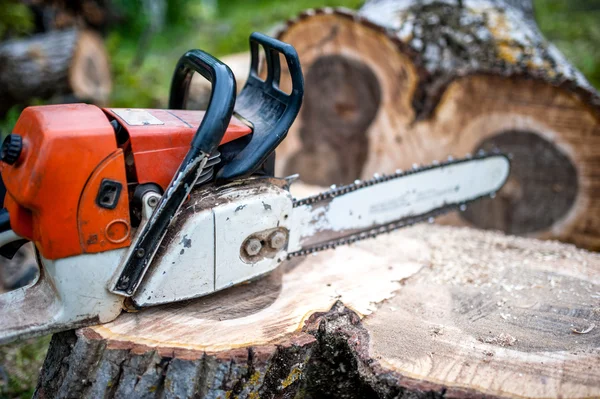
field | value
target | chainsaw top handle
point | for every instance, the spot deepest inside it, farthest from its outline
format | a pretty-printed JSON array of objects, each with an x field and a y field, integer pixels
[
  {"x": 204, "y": 143},
  {"x": 262, "y": 103},
  {"x": 222, "y": 97}
]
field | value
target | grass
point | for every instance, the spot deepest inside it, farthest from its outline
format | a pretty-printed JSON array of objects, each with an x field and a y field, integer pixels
[{"x": 19, "y": 366}]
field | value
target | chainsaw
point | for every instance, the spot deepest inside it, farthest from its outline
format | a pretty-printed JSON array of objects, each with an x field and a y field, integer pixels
[{"x": 130, "y": 208}]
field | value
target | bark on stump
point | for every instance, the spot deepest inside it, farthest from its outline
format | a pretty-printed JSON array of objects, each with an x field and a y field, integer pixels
[
  {"x": 404, "y": 82},
  {"x": 71, "y": 62},
  {"x": 426, "y": 312}
]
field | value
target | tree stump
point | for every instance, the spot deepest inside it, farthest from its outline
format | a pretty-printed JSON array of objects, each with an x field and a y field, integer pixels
[
  {"x": 70, "y": 62},
  {"x": 404, "y": 82},
  {"x": 429, "y": 311}
]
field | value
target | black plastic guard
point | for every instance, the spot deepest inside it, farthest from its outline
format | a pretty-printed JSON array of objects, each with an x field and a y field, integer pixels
[{"x": 262, "y": 103}]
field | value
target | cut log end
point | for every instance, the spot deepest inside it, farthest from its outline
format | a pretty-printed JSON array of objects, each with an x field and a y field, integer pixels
[
  {"x": 429, "y": 310},
  {"x": 334, "y": 120},
  {"x": 70, "y": 63},
  {"x": 89, "y": 72},
  {"x": 541, "y": 190}
]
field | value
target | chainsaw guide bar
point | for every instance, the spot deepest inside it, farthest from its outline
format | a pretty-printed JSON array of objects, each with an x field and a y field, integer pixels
[{"x": 326, "y": 238}]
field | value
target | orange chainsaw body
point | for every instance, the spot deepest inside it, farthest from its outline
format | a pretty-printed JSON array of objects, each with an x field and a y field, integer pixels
[{"x": 71, "y": 152}]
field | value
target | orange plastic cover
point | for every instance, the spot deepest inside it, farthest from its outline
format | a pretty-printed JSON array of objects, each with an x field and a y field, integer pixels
[
  {"x": 161, "y": 138},
  {"x": 62, "y": 147},
  {"x": 70, "y": 150}
]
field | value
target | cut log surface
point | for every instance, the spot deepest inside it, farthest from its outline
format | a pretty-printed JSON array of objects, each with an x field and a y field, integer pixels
[
  {"x": 69, "y": 62},
  {"x": 404, "y": 82},
  {"x": 428, "y": 311}
]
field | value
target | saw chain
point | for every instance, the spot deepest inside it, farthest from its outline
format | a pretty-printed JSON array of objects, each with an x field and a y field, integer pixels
[{"x": 335, "y": 191}]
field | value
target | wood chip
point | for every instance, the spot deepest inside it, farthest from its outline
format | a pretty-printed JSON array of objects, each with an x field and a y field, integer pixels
[{"x": 587, "y": 330}]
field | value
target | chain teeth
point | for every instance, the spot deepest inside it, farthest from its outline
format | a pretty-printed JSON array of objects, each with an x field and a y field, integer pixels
[
  {"x": 374, "y": 232},
  {"x": 335, "y": 191}
]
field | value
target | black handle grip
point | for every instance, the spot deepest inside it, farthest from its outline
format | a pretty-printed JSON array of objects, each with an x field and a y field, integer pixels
[
  {"x": 262, "y": 103},
  {"x": 222, "y": 96},
  {"x": 205, "y": 142}
]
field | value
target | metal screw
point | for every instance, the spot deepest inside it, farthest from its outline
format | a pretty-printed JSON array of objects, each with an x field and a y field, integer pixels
[
  {"x": 253, "y": 247},
  {"x": 140, "y": 252},
  {"x": 277, "y": 240},
  {"x": 152, "y": 201}
]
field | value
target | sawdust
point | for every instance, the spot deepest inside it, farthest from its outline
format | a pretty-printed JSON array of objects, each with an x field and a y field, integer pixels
[
  {"x": 478, "y": 261},
  {"x": 496, "y": 312},
  {"x": 502, "y": 340},
  {"x": 583, "y": 331}
]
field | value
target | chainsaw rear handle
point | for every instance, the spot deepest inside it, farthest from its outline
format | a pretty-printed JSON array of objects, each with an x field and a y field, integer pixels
[
  {"x": 204, "y": 143},
  {"x": 270, "y": 110}
]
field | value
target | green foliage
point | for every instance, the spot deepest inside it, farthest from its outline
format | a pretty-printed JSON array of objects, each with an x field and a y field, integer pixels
[
  {"x": 21, "y": 365},
  {"x": 241, "y": 17},
  {"x": 574, "y": 27},
  {"x": 220, "y": 29},
  {"x": 15, "y": 19},
  {"x": 9, "y": 120}
]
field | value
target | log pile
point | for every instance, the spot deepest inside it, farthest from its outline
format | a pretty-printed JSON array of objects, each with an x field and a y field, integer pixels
[
  {"x": 430, "y": 311},
  {"x": 405, "y": 82},
  {"x": 68, "y": 62},
  {"x": 64, "y": 61}
]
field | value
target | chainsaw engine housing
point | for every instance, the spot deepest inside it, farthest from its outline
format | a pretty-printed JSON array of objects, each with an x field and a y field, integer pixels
[{"x": 70, "y": 187}]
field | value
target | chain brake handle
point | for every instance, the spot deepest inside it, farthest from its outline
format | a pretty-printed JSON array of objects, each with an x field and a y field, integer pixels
[
  {"x": 204, "y": 143},
  {"x": 263, "y": 104}
]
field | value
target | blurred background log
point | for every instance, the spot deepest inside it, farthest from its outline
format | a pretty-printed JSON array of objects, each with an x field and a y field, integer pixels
[
  {"x": 404, "y": 82},
  {"x": 67, "y": 62},
  {"x": 199, "y": 92},
  {"x": 58, "y": 56},
  {"x": 62, "y": 14}
]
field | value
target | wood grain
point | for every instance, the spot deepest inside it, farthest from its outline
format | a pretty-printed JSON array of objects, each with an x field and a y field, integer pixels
[
  {"x": 497, "y": 314},
  {"x": 279, "y": 304}
]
